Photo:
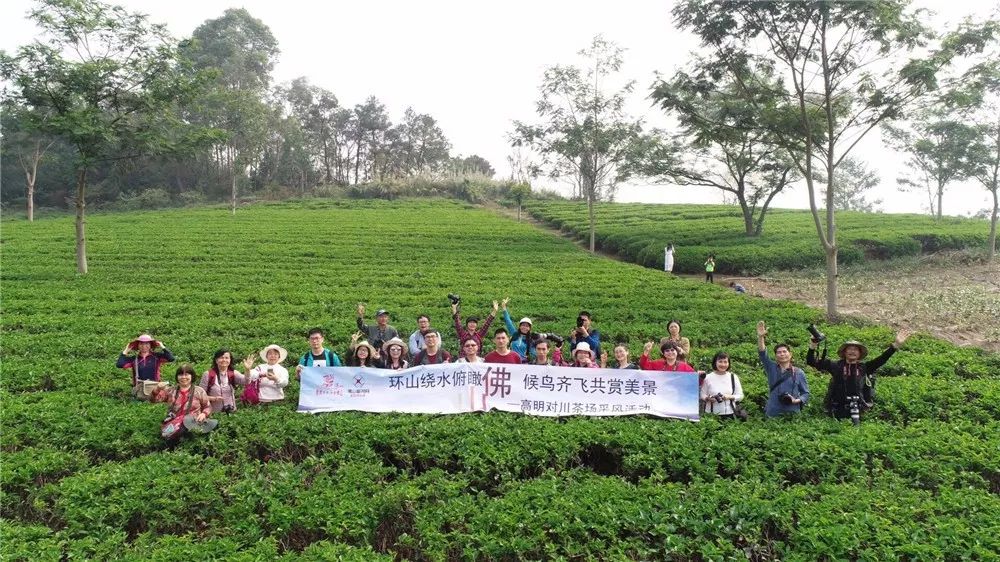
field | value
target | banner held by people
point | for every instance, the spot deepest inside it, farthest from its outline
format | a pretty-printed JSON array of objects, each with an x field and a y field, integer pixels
[{"x": 539, "y": 390}]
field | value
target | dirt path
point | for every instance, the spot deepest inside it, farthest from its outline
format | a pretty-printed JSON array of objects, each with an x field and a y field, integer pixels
[{"x": 948, "y": 295}]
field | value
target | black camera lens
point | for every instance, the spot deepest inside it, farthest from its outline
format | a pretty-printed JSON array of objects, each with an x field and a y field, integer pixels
[{"x": 455, "y": 299}]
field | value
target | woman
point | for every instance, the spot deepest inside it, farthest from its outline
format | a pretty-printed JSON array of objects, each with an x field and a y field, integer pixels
[
  {"x": 145, "y": 364},
  {"x": 670, "y": 361},
  {"x": 393, "y": 355},
  {"x": 668, "y": 258},
  {"x": 220, "y": 382},
  {"x": 362, "y": 354},
  {"x": 674, "y": 335},
  {"x": 621, "y": 359},
  {"x": 520, "y": 336},
  {"x": 271, "y": 376},
  {"x": 721, "y": 390},
  {"x": 583, "y": 356},
  {"x": 188, "y": 399},
  {"x": 470, "y": 352}
]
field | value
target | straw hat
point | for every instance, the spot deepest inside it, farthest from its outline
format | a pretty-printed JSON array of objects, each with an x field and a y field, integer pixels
[
  {"x": 282, "y": 353},
  {"x": 144, "y": 338},
  {"x": 583, "y": 346},
  {"x": 861, "y": 347},
  {"x": 363, "y": 343}
]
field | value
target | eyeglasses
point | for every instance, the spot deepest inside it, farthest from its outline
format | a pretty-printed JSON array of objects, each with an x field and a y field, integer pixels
[{"x": 470, "y": 345}]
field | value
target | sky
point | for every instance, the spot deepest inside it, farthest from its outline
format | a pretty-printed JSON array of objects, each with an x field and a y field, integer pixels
[{"x": 476, "y": 67}]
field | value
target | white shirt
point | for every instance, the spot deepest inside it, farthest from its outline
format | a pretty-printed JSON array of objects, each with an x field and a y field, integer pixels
[
  {"x": 478, "y": 359},
  {"x": 270, "y": 390},
  {"x": 716, "y": 383}
]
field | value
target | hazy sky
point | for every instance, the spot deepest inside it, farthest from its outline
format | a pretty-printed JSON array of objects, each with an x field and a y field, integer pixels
[{"x": 476, "y": 66}]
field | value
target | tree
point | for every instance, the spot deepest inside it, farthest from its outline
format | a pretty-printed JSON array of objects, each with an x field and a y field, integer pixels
[
  {"x": 109, "y": 81},
  {"x": 474, "y": 164},
  {"x": 854, "y": 178},
  {"x": 23, "y": 134},
  {"x": 585, "y": 134},
  {"x": 720, "y": 145},
  {"x": 519, "y": 192},
  {"x": 421, "y": 145},
  {"x": 316, "y": 110},
  {"x": 847, "y": 67},
  {"x": 938, "y": 148}
]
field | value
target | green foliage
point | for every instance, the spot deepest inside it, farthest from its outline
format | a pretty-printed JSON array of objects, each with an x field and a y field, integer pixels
[
  {"x": 85, "y": 475},
  {"x": 638, "y": 233}
]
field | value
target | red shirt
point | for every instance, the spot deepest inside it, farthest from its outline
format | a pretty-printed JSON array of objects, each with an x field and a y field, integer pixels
[
  {"x": 661, "y": 365},
  {"x": 511, "y": 357}
]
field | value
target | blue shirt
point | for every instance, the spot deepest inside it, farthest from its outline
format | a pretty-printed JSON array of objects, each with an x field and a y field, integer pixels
[{"x": 793, "y": 381}]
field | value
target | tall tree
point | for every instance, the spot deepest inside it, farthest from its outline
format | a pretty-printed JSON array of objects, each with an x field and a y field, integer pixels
[
  {"x": 23, "y": 134},
  {"x": 316, "y": 110},
  {"x": 938, "y": 148},
  {"x": 109, "y": 81},
  {"x": 585, "y": 134},
  {"x": 720, "y": 146},
  {"x": 421, "y": 145},
  {"x": 849, "y": 67}
]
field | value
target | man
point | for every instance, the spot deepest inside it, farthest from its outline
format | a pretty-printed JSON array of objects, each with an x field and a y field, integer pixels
[
  {"x": 381, "y": 332},
  {"x": 502, "y": 353},
  {"x": 851, "y": 376},
  {"x": 417, "y": 337},
  {"x": 317, "y": 356},
  {"x": 432, "y": 354},
  {"x": 541, "y": 355},
  {"x": 472, "y": 329},
  {"x": 584, "y": 333},
  {"x": 789, "y": 390},
  {"x": 737, "y": 287}
]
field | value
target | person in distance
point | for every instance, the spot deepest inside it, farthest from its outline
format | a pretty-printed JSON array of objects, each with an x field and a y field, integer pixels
[
  {"x": 317, "y": 356},
  {"x": 381, "y": 332},
  {"x": 788, "y": 389},
  {"x": 145, "y": 364},
  {"x": 187, "y": 399},
  {"x": 851, "y": 376},
  {"x": 221, "y": 380},
  {"x": 472, "y": 328},
  {"x": 432, "y": 354},
  {"x": 417, "y": 337},
  {"x": 271, "y": 375},
  {"x": 393, "y": 355},
  {"x": 674, "y": 335},
  {"x": 721, "y": 389},
  {"x": 470, "y": 352},
  {"x": 584, "y": 332},
  {"x": 670, "y": 361},
  {"x": 502, "y": 353}
]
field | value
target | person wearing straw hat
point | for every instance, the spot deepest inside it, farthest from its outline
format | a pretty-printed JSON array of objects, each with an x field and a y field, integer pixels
[
  {"x": 851, "y": 375},
  {"x": 361, "y": 353},
  {"x": 583, "y": 356},
  {"x": 145, "y": 364},
  {"x": 393, "y": 355},
  {"x": 271, "y": 376}
]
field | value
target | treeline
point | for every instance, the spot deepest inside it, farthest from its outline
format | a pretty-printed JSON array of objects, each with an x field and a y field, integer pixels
[{"x": 235, "y": 134}]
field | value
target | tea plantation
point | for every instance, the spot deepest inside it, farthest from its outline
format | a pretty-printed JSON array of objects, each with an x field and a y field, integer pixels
[
  {"x": 639, "y": 232},
  {"x": 84, "y": 474}
]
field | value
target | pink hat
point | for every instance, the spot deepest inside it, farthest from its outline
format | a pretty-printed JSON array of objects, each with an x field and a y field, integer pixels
[{"x": 144, "y": 338}]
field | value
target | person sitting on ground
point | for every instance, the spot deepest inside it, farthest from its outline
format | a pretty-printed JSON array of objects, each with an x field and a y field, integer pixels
[
  {"x": 187, "y": 399},
  {"x": 851, "y": 376},
  {"x": 381, "y": 332},
  {"x": 417, "y": 337},
  {"x": 674, "y": 335},
  {"x": 722, "y": 389},
  {"x": 621, "y": 359},
  {"x": 737, "y": 287},
  {"x": 521, "y": 337},
  {"x": 393, "y": 355},
  {"x": 584, "y": 332},
  {"x": 145, "y": 364},
  {"x": 541, "y": 354},
  {"x": 788, "y": 388},
  {"x": 502, "y": 353},
  {"x": 362, "y": 353},
  {"x": 221, "y": 380},
  {"x": 472, "y": 328},
  {"x": 271, "y": 376},
  {"x": 470, "y": 352},
  {"x": 670, "y": 361},
  {"x": 432, "y": 354},
  {"x": 317, "y": 356},
  {"x": 583, "y": 356}
]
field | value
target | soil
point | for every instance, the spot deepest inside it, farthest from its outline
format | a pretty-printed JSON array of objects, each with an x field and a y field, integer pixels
[{"x": 952, "y": 295}]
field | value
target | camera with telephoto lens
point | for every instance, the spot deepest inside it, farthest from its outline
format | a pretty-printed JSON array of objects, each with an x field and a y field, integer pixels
[
  {"x": 817, "y": 335},
  {"x": 719, "y": 397},
  {"x": 554, "y": 338},
  {"x": 455, "y": 299},
  {"x": 787, "y": 398},
  {"x": 853, "y": 406}
]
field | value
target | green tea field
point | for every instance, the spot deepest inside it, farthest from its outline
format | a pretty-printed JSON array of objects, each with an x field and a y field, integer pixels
[
  {"x": 638, "y": 233},
  {"x": 85, "y": 475}
]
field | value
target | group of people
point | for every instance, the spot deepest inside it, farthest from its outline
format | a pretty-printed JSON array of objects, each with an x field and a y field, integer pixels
[{"x": 380, "y": 345}]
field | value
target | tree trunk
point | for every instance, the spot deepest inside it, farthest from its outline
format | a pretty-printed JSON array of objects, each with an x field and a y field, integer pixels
[
  {"x": 993, "y": 227},
  {"x": 233, "y": 190},
  {"x": 519, "y": 214},
  {"x": 747, "y": 214},
  {"x": 31, "y": 201},
  {"x": 81, "y": 236},
  {"x": 940, "y": 195},
  {"x": 590, "y": 209}
]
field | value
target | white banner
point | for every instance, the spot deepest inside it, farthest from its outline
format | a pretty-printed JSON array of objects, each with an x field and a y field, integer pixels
[{"x": 537, "y": 390}]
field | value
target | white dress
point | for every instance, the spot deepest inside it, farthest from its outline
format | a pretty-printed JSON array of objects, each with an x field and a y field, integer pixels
[{"x": 668, "y": 259}]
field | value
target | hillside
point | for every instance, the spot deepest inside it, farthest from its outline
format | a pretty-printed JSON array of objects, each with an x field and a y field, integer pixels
[
  {"x": 85, "y": 475},
  {"x": 639, "y": 232}
]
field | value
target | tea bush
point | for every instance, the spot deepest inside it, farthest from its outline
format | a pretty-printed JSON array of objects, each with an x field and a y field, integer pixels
[{"x": 84, "y": 474}]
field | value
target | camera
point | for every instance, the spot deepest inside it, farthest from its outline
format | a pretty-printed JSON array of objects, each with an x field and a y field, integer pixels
[
  {"x": 455, "y": 299},
  {"x": 579, "y": 321},
  {"x": 787, "y": 398},
  {"x": 718, "y": 397},
  {"x": 853, "y": 407},
  {"x": 554, "y": 338},
  {"x": 817, "y": 335}
]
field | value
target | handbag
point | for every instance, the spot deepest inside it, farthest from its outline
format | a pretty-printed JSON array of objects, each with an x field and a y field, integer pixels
[
  {"x": 251, "y": 392},
  {"x": 738, "y": 410},
  {"x": 173, "y": 425}
]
